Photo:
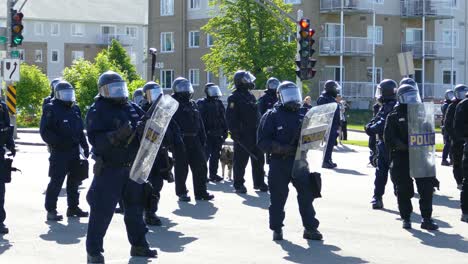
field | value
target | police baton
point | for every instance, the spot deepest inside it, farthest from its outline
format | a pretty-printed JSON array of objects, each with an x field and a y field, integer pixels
[{"x": 246, "y": 150}]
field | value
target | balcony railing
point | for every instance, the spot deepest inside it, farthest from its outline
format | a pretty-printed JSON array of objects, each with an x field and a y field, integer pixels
[
  {"x": 434, "y": 91},
  {"x": 361, "y": 90},
  {"x": 331, "y": 46},
  {"x": 106, "y": 39},
  {"x": 429, "y": 8},
  {"x": 357, "y": 6},
  {"x": 432, "y": 49}
]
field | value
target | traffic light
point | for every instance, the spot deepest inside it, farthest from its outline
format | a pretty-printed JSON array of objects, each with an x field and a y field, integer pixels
[
  {"x": 16, "y": 28},
  {"x": 305, "y": 64}
]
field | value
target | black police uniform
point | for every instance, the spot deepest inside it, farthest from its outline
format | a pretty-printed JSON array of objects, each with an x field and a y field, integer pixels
[
  {"x": 192, "y": 152},
  {"x": 279, "y": 128},
  {"x": 396, "y": 140},
  {"x": 6, "y": 140},
  {"x": 372, "y": 143},
  {"x": 267, "y": 101},
  {"x": 447, "y": 142},
  {"x": 111, "y": 181},
  {"x": 326, "y": 98},
  {"x": 456, "y": 143},
  {"x": 461, "y": 130},
  {"x": 243, "y": 117},
  {"x": 62, "y": 129}
]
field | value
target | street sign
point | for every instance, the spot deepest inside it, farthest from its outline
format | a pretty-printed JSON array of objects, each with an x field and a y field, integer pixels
[
  {"x": 15, "y": 54},
  {"x": 11, "y": 70}
]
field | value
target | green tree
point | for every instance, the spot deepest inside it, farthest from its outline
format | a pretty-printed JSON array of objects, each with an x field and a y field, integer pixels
[
  {"x": 31, "y": 90},
  {"x": 118, "y": 56},
  {"x": 246, "y": 36}
]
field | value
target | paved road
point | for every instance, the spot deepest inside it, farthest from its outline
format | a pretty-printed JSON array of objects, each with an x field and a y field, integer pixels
[{"x": 234, "y": 228}]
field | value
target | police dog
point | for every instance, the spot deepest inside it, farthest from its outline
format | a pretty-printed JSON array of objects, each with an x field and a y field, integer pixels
[{"x": 226, "y": 159}]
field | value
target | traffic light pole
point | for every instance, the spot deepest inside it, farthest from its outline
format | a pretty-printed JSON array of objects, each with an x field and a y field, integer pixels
[
  {"x": 300, "y": 14},
  {"x": 10, "y": 5}
]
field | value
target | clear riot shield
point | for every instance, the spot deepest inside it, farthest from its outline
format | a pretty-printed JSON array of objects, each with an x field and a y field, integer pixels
[
  {"x": 314, "y": 138},
  {"x": 153, "y": 135},
  {"x": 421, "y": 140}
]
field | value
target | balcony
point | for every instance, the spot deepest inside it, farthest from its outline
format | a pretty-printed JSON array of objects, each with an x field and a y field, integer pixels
[
  {"x": 106, "y": 39},
  {"x": 431, "y": 9},
  {"x": 352, "y": 46},
  {"x": 356, "y": 90},
  {"x": 435, "y": 91},
  {"x": 349, "y": 6},
  {"x": 434, "y": 50}
]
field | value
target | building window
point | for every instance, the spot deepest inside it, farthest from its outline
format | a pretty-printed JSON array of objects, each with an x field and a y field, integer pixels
[
  {"x": 133, "y": 58},
  {"x": 378, "y": 74},
  {"x": 55, "y": 29},
  {"x": 447, "y": 39},
  {"x": 167, "y": 77},
  {"x": 38, "y": 29},
  {"x": 194, "y": 76},
  {"x": 38, "y": 56},
  {"x": 131, "y": 32},
  {"x": 167, "y": 7},
  {"x": 77, "y": 54},
  {"x": 447, "y": 77},
  {"x": 378, "y": 35},
  {"x": 294, "y": 2},
  {"x": 54, "y": 56},
  {"x": 194, "y": 39},
  {"x": 379, "y": 2},
  {"x": 209, "y": 40},
  {"x": 167, "y": 42},
  {"x": 194, "y": 4},
  {"x": 78, "y": 30},
  {"x": 210, "y": 77}
]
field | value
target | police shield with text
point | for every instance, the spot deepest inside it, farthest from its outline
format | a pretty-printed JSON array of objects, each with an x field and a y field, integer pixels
[
  {"x": 269, "y": 99},
  {"x": 243, "y": 117},
  {"x": 386, "y": 92},
  {"x": 112, "y": 125},
  {"x": 449, "y": 98},
  {"x": 278, "y": 135},
  {"x": 401, "y": 123},
  {"x": 192, "y": 152},
  {"x": 456, "y": 141},
  {"x": 62, "y": 129},
  {"x": 213, "y": 112}
]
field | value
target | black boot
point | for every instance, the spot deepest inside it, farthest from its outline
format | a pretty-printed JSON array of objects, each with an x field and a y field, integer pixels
[
  {"x": 263, "y": 187},
  {"x": 464, "y": 218},
  {"x": 429, "y": 224},
  {"x": 54, "y": 216},
  {"x": 312, "y": 235},
  {"x": 184, "y": 198},
  {"x": 406, "y": 224},
  {"x": 152, "y": 219},
  {"x": 99, "y": 258},
  {"x": 3, "y": 229},
  {"x": 377, "y": 203},
  {"x": 205, "y": 197},
  {"x": 278, "y": 235},
  {"x": 241, "y": 189},
  {"x": 76, "y": 212},
  {"x": 143, "y": 252},
  {"x": 215, "y": 178}
]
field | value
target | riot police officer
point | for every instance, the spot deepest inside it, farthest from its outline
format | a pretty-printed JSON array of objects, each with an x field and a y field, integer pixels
[
  {"x": 213, "y": 112},
  {"x": 449, "y": 97},
  {"x": 243, "y": 117},
  {"x": 6, "y": 140},
  {"x": 386, "y": 92},
  {"x": 269, "y": 99},
  {"x": 396, "y": 140},
  {"x": 456, "y": 142},
  {"x": 461, "y": 129},
  {"x": 372, "y": 143},
  {"x": 331, "y": 90},
  {"x": 192, "y": 152},
  {"x": 51, "y": 96},
  {"x": 111, "y": 125},
  {"x": 277, "y": 135},
  {"x": 62, "y": 129},
  {"x": 138, "y": 97}
]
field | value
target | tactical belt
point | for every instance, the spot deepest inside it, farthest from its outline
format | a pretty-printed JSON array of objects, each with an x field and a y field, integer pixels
[{"x": 117, "y": 165}]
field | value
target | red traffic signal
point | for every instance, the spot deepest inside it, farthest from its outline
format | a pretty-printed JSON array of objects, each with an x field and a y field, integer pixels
[
  {"x": 16, "y": 28},
  {"x": 18, "y": 17}
]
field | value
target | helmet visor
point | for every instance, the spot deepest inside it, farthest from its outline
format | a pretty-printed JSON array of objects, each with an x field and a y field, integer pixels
[
  {"x": 450, "y": 95},
  {"x": 67, "y": 95},
  {"x": 214, "y": 91},
  {"x": 273, "y": 84},
  {"x": 411, "y": 97},
  {"x": 153, "y": 94},
  {"x": 460, "y": 94},
  {"x": 378, "y": 92},
  {"x": 248, "y": 78},
  {"x": 183, "y": 87},
  {"x": 115, "y": 90},
  {"x": 137, "y": 99},
  {"x": 291, "y": 94},
  {"x": 338, "y": 89}
]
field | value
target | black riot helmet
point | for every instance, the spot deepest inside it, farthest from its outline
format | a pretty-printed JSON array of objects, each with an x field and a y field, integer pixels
[
  {"x": 112, "y": 86},
  {"x": 52, "y": 86},
  {"x": 65, "y": 92},
  {"x": 152, "y": 91},
  {"x": 212, "y": 90},
  {"x": 182, "y": 88},
  {"x": 272, "y": 84},
  {"x": 449, "y": 95},
  {"x": 460, "y": 90},
  {"x": 408, "y": 94},
  {"x": 244, "y": 80},
  {"x": 409, "y": 81},
  {"x": 138, "y": 96},
  {"x": 386, "y": 90},
  {"x": 332, "y": 88},
  {"x": 290, "y": 95}
]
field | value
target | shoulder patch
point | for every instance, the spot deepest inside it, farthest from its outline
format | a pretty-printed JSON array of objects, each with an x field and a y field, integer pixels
[{"x": 231, "y": 105}]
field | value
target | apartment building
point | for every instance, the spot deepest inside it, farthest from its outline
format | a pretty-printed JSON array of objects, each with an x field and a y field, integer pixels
[
  {"x": 58, "y": 32},
  {"x": 357, "y": 42}
]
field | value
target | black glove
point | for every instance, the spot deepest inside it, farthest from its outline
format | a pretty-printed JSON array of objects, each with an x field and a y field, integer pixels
[
  {"x": 401, "y": 147},
  {"x": 140, "y": 128},
  {"x": 12, "y": 150},
  {"x": 122, "y": 133},
  {"x": 282, "y": 149}
]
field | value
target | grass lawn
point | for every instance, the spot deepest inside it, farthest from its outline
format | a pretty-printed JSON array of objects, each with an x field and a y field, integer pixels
[{"x": 363, "y": 143}]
